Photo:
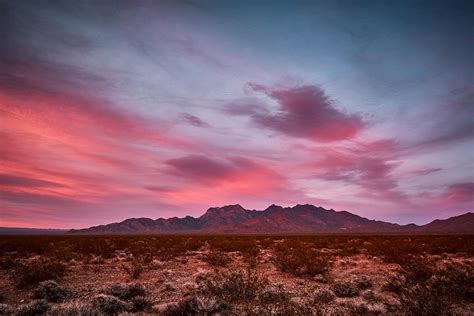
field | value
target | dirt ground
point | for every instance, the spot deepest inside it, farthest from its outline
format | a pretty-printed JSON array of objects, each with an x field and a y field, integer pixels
[{"x": 189, "y": 284}]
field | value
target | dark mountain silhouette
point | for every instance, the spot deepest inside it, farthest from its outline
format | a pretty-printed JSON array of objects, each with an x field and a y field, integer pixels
[
  {"x": 276, "y": 219},
  {"x": 461, "y": 223}
]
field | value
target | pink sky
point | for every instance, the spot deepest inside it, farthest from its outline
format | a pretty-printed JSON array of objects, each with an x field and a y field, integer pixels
[{"x": 135, "y": 116}]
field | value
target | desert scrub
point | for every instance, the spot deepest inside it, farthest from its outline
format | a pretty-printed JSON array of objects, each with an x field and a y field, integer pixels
[
  {"x": 36, "y": 307},
  {"x": 108, "y": 304},
  {"x": 197, "y": 305},
  {"x": 345, "y": 289},
  {"x": 234, "y": 286},
  {"x": 217, "y": 258},
  {"x": 363, "y": 282},
  {"x": 6, "y": 309},
  {"x": 73, "y": 309},
  {"x": 455, "y": 281},
  {"x": 51, "y": 291},
  {"x": 125, "y": 291},
  {"x": 134, "y": 268},
  {"x": 422, "y": 300},
  {"x": 29, "y": 273},
  {"x": 323, "y": 296},
  {"x": 140, "y": 303},
  {"x": 273, "y": 294},
  {"x": 295, "y": 258}
]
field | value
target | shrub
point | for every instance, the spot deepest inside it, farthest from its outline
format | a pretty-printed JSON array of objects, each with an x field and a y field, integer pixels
[
  {"x": 34, "y": 308},
  {"x": 363, "y": 309},
  {"x": 370, "y": 296},
  {"x": 297, "y": 259},
  {"x": 363, "y": 283},
  {"x": 323, "y": 296},
  {"x": 283, "y": 308},
  {"x": 108, "y": 304},
  {"x": 197, "y": 305},
  {"x": 455, "y": 282},
  {"x": 7, "y": 262},
  {"x": 395, "y": 284},
  {"x": 345, "y": 289},
  {"x": 421, "y": 300},
  {"x": 126, "y": 291},
  {"x": 273, "y": 294},
  {"x": 235, "y": 286},
  {"x": 217, "y": 258},
  {"x": 73, "y": 309},
  {"x": 6, "y": 309},
  {"x": 28, "y": 273},
  {"x": 134, "y": 269},
  {"x": 51, "y": 291},
  {"x": 140, "y": 303},
  {"x": 417, "y": 270}
]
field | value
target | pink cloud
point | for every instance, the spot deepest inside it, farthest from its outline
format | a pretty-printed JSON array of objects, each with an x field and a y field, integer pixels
[
  {"x": 458, "y": 193},
  {"x": 306, "y": 112}
]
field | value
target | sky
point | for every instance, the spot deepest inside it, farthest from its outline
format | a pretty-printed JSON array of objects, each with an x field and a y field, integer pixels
[{"x": 119, "y": 109}]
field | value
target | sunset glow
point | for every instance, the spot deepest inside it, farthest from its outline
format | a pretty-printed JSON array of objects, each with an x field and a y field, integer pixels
[{"x": 118, "y": 109}]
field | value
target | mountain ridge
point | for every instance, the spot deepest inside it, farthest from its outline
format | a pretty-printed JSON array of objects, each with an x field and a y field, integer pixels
[{"x": 275, "y": 219}]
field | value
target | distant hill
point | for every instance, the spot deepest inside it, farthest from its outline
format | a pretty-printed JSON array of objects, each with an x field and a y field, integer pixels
[
  {"x": 234, "y": 219},
  {"x": 461, "y": 223},
  {"x": 31, "y": 231}
]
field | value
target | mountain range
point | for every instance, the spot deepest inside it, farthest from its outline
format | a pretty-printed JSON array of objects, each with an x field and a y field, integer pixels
[{"x": 299, "y": 219}]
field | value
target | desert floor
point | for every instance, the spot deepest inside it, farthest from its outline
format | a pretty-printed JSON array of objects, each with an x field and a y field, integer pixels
[{"x": 237, "y": 275}]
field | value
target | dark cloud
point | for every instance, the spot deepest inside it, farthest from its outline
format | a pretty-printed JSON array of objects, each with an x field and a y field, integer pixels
[
  {"x": 426, "y": 171},
  {"x": 41, "y": 199},
  {"x": 304, "y": 112},
  {"x": 20, "y": 181},
  {"x": 201, "y": 167},
  {"x": 193, "y": 120}
]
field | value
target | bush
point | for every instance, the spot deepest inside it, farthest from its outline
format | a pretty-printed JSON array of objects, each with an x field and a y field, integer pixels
[
  {"x": 273, "y": 294},
  {"x": 455, "y": 282},
  {"x": 197, "y": 305},
  {"x": 421, "y": 300},
  {"x": 297, "y": 259},
  {"x": 323, "y": 296},
  {"x": 29, "y": 273},
  {"x": 134, "y": 269},
  {"x": 108, "y": 304},
  {"x": 395, "y": 284},
  {"x": 51, "y": 291},
  {"x": 126, "y": 291},
  {"x": 140, "y": 303},
  {"x": 363, "y": 283},
  {"x": 73, "y": 309},
  {"x": 417, "y": 270},
  {"x": 217, "y": 258},
  {"x": 34, "y": 308},
  {"x": 345, "y": 289},
  {"x": 6, "y": 309},
  {"x": 235, "y": 286}
]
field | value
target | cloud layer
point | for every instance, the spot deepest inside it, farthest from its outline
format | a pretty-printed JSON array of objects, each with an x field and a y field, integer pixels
[{"x": 150, "y": 109}]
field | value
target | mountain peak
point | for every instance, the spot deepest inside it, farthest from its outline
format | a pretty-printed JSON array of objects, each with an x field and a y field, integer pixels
[
  {"x": 273, "y": 207},
  {"x": 301, "y": 218},
  {"x": 212, "y": 211}
]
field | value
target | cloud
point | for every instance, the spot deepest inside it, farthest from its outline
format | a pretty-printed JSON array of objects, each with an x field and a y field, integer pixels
[
  {"x": 448, "y": 123},
  {"x": 201, "y": 167},
  {"x": 458, "y": 193},
  {"x": 193, "y": 120},
  {"x": 305, "y": 112},
  {"x": 367, "y": 165},
  {"x": 20, "y": 181},
  {"x": 426, "y": 171}
]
